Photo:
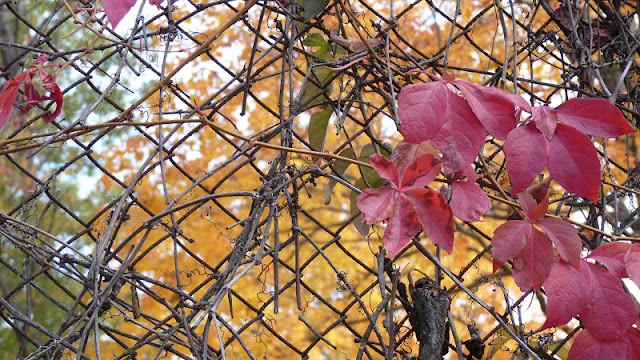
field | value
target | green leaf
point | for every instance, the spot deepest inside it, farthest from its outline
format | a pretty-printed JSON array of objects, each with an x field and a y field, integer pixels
[
  {"x": 369, "y": 174},
  {"x": 313, "y": 7},
  {"x": 318, "y": 129},
  {"x": 338, "y": 168},
  {"x": 362, "y": 228},
  {"x": 310, "y": 93}
]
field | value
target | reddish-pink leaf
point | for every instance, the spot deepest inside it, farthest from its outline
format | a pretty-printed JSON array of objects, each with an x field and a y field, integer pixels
[
  {"x": 632, "y": 338},
  {"x": 609, "y": 312},
  {"x": 56, "y": 95},
  {"x": 460, "y": 138},
  {"x": 405, "y": 153},
  {"x": 493, "y": 107},
  {"x": 632, "y": 263},
  {"x": 423, "y": 109},
  {"x": 7, "y": 100},
  {"x": 420, "y": 173},
  {"x": 509, "y": 239},
  {"x": 117, "y": 9},
  {"x": 527, "y": 153},
  {"x": 156, "y": 2},
  {"x": 402, "y": 226},
  {"x": 597, "y": 117},
  {"x": 567, "y": 290},
  {"x": 435, "y": 216},
  {"x": 530, "y": 206},
  {"x": 565, "y": 238},
  {"x": 573, "y": 162},
  {"x": 612, "y": 256},
  {"x": 546, "y": 120},
  {"x": 539, "y": 190},
  {"x": 532, "y": 265},
  {"x": 468, "y": 202},
  {"x": 385, "y": 168},
  {"x": 377, "y": 204},
  {"x": 587, "y": 347}
]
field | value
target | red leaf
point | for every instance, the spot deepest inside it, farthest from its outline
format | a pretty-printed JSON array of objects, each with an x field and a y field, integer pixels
[
  {"x": 573, "y": 162},
  {"x": 565, "y": 238},
  {"x": 632, "y": 263},
  {"x": 530, "y": 206},
  {"x": 468, "y": 202},
  {"x": 509, "y": 239},
  {"x": 405, "y": 153},
  {"x": 532, "y": 265},
  {"x": 435, "y": 216},
  {"x": 609, "y": 312},
  {"x": 56, "y": 95},
  {"x": 612, "y": 256},
  {"x": 567, "y": 291},
  {"x": 156, "y": 2},
  {"x": 376, "y": 204},
  {"x": 7, "y": 100},
  {"x": 587, "y": 347},
  {"x": 527, "y": 153},
  {"x": 420, "y": 173},
  {"x": 539, "y": 190},
  {"x": 423, "y": 109},
  {"x": 117, "y": 9},
  {"x": 493, "y": 107},
  {"x": 460, "y": 138},
  {"x": 385, "y": 168},
  {"x": 546, "y": 120},
  {"x": 401, "y": 227},
  {"x": 597, "y": 117}
]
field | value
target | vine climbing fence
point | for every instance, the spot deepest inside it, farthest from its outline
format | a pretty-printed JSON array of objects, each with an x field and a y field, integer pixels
[{"x": 195, "y": 199}]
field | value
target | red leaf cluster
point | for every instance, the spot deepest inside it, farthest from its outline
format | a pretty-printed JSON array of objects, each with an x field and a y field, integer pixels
[
  {"x": 532, "y": 249},
  {"x": 31, "y": 97},
  {"x": 407, "y": 206},
  {"x": 455, "y": 114},
  {"x": 597, "y": 296}
]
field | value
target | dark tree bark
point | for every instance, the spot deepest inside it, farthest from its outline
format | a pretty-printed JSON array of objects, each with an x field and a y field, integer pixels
[{"x": 429, "y": 318}]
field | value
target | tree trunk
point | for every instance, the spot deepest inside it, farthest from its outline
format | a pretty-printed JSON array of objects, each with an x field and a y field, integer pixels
[{"x": 429, "y": 318}]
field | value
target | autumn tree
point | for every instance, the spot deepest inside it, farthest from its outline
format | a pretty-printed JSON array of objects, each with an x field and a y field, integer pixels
[{"x": 319, "y": 179}]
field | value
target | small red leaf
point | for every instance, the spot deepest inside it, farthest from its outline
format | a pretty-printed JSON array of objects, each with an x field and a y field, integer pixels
[
  {"x": 385, "y": 168},
  {"x": 587, "y": 347},
  {"x": 609, "y": 312},
  {"x": 565, "y": 238},
  {"x": 632, "y": 263},
  {"x": 532, "y": 265},
  {"x": 612, "y": 256},
  {"x": 566, "y": 290},
  {"x": 376, "y": 204},
  {"x": 420, "y": 173},
  {"x": 7, "y": 100},
  {"x": 468, "y": 202},
  {"x": 527, "y": 153},
  {"x": 423, "y": 109},
  {"x": 597, "y": 117},
  {"x": 56, "y": 95},
  {"x": 493, "y": 107},
  {"x": 546, "y": 120},
  {"x": 435, "y": 216},
  {"x": 528, "y": 204},
  {"x": 573, "y": 162},
  {"x": 405, "y": 153},
  {"x": 509, "y": 239},
  {"x": 401, "y": 227},
  {"x": 117, "y": 9},
  {"x": 539, "y": 190}
]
